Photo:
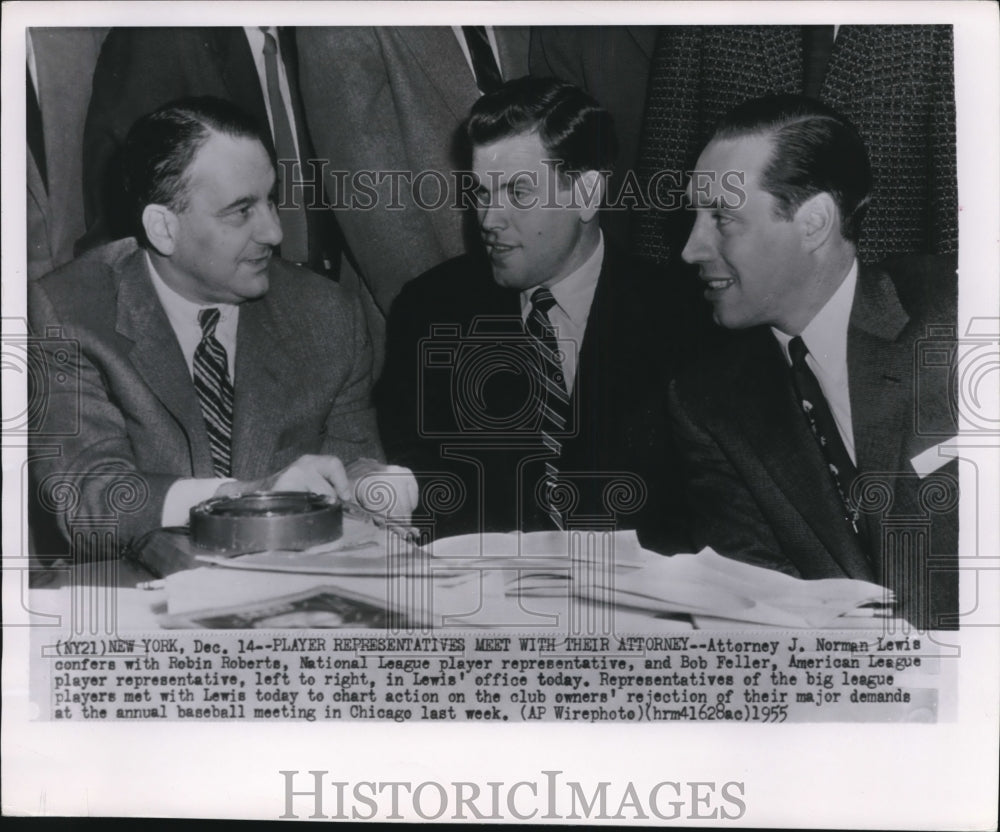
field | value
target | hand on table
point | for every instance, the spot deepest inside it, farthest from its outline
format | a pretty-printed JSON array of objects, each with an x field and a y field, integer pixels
[{"x": 389, "y": 491}]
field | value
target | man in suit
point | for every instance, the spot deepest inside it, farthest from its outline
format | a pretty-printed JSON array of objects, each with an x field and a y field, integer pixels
[
  {"x": 895, "y": 84},
  {"x": 531, "y": 376},
  {"x": 191, "y": 362},
  {"x": 60, "y": 66},
  {"x": 809, "y": 442},
  {"x": 390, "y": 99},
  {"x": 254, "y": 67}
]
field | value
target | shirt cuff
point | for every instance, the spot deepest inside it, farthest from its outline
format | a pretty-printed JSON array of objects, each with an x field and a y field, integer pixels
[{"x": 183, "y": 495}]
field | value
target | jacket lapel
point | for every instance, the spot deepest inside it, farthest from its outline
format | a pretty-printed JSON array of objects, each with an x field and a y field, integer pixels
[
  {"x": 444, "y": 66},
  {"x": 157, "y": 356},
  {"x": 606, "y": 364},
  {"x": 262, "y": 390},
  {"x": 762, "y": 400},
  {"x": 880, "y": 373},
  {"x": 879, "y": 367}
]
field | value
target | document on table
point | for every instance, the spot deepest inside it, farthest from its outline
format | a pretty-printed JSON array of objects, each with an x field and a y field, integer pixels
[{"x": 603, "y": 568}]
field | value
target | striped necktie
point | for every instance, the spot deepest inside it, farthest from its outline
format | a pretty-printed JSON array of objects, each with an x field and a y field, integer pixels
[
  {"x": 215, "y": 391},
  {"x": 553, "y": 398},
  {"x": 484, "y": 62}
]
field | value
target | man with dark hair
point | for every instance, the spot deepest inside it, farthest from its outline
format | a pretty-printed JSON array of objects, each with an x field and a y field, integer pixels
[
  {"x": 196, "y": 363},
  {"x": 810, "y": 442},
  {"x": 895, "y": 84},
  {"x": 532, "y": 376},
  {"x": 255, "y": 68}
]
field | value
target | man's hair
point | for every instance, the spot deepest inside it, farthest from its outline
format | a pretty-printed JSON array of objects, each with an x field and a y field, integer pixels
[
  {"x": 161, "y": 146},
  {"x": 814, "y": 150},
  {"x": 572, "y": 126}
]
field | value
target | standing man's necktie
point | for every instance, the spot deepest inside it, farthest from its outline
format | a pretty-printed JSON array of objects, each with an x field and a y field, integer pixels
[
  {"x": 295, "y": 242},
  {"x": 553, "y": 397},
  {"x": 824, "y": 428},
  {"x": 215, "y": 391},
  {"x": 484, "y": 63}
]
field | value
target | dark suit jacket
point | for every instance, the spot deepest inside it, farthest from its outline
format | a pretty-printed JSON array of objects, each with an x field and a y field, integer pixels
[
  {"x": 757, "y": 483},
  {"x": 455, "y": 398},
  {"x": 391, "y": 98},
  {"x": 117, "y": 410},
  {"x": 141, "y": 69},
  {"x": 612, "y": 64}
]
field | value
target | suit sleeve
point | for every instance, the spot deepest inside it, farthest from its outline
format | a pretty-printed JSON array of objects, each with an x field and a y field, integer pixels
[
  {"x": 351, "y": 431},
  {"x": 84, "y": 470},
  {"x": 723, "y": 511},
  {"x": 356, "y": 128}
]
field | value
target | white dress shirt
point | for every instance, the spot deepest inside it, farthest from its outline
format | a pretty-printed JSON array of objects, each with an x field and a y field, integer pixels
[
  {"x": 574, "y": 295},
  {"x": 183, "y": 317},
  {"x": 256, "y": 39},
  {"x": 460, "y": 37},
  {"x": 826, "y": 339}
]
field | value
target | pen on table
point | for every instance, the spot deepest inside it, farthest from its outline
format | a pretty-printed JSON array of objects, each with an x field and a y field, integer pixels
[
  {"x": 159, "y": 584},
  {"x": 354, "y": 509}
]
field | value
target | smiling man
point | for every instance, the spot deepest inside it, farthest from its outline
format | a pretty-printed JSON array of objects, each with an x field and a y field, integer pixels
[
  {"x": 532, "y": 376},
  {"x": 809, "y": 441},
  {"x": 190, "y": 361}
]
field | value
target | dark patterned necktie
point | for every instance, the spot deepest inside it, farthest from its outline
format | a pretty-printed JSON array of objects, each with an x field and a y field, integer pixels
[
  {"x": 484, "y": 64},
  {"x": 553, "y": 398},
  {"x": 215, "y": 391},
  {"x": 824, "y": 428},
  {"x": 295, "y": 240}
]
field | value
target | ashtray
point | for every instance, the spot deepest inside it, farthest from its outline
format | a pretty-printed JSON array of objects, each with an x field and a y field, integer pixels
[{"x": 266, "y": 520}]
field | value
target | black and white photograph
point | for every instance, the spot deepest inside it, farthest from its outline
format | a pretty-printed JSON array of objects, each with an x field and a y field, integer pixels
[{"x": 554, "y": 412}]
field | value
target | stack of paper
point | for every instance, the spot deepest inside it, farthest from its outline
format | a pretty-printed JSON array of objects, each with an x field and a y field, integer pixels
[
  {"x": 492, "y": 571},
  {"x": 709, "y": 585}
]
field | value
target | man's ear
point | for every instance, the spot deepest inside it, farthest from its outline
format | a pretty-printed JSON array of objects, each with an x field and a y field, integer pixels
[
  {"x": 160, "y": 225},
  {"x": 818, "y": 218},
  {"x": 588, "y": 188}
]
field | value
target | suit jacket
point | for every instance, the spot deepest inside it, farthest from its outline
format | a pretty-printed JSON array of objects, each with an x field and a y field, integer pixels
[
  {"x": 895, "y": 84},
  {"x": 757, "y": 483},
  {"x": 612, "y": 64},
  {"x": 455, "y": 399},
  {"x": 141, "y": 69},
  {"x": 118, "y": 417},
  {"x": 64, "y": 60},
  {"x": 392, "y": 99}
]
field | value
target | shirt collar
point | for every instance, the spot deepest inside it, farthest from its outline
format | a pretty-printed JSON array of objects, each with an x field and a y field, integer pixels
[
  {"x": 575, "y": 292},
  {"x": 182, "y": 312},
  {"x": 826, "y": 334}
]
